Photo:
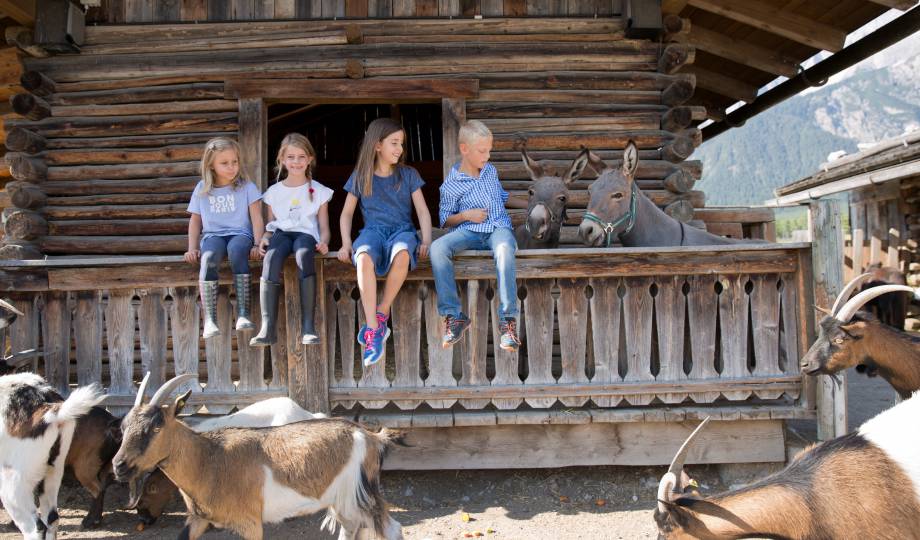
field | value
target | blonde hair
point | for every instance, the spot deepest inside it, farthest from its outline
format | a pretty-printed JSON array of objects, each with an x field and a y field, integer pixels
[
  {"x": 377, "y": 131},
  {"x": 211, "y": 149},
  {"x": 471, "y": 131},
  {"x": 297, "y": 141}
]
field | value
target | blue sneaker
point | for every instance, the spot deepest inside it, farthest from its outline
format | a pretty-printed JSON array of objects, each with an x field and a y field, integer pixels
[
  {"x": 375, "y": 344},
  {"x": 381, "y": 320},
  {"x": 454, "y": 327}
]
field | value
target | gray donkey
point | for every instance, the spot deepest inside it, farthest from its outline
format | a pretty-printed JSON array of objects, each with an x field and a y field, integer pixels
[
  {"x": 618, "y": 208},
  {"x": 546, "y": 201}
]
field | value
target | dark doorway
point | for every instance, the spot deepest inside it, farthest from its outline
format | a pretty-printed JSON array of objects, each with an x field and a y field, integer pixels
[{"x": 336, "y": 130}]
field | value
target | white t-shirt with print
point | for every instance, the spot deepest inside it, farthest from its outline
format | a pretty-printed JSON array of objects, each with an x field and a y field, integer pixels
[{"x": 293, "y": 210}]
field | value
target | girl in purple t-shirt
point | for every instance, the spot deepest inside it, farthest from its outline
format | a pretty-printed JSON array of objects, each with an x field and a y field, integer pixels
[{"x": 226, "y": 218}]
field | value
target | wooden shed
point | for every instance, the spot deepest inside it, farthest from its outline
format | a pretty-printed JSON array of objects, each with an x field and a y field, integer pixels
[{"x": 623, "y": 348}]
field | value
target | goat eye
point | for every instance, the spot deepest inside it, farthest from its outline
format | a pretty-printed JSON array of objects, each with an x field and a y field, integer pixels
[
  {"x": 156, "y": 430},
  {"x": 617, "y": 196},
  {"x": 838, "y": 341}
]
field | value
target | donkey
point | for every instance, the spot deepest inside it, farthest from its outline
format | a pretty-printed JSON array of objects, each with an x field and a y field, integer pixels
[
  {"x": 546, "y": 201},
  {"x": 617, "y": 208}
]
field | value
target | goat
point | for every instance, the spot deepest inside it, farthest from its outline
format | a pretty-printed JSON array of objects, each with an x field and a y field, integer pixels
[
  {"x": 240, "y": 478},
  {"x": 848, "y": 337},
  {"x": 158, "y": 491},
  {"x": 37, "y": 429},
  {"x": 8, "y": 314},
  {"x": 890, "y": 309},
  {"x": 865, "y": 484}
]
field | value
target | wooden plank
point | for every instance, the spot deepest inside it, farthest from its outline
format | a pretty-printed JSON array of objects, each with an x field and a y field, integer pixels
[
  {"x": 702, "y": 303},
  {"x": 380, "y": 8},
  {"x": 219, "y": 353},
  {"x": 637, "y": 317},
  {"x": 24, "y": 332},
  {"x": 733, "y": 323},
  {"x": 670, "y": 314},
  {"x": 119, "y": 333},
  {"x": 765, "y": 318},
  {"x": 263, "y": 9},
  {"x": 474, "y": 346},
  {"x": 572, "y": 312},
  {"x": 21, "y": 11},
  {"x": 184, "y": 325},
  {"x": 635, "y": 443},
  {"x": 404, "y": 8},
  {"x": 346, "y": 318},
  {"x": 88, "y": 338},
  {"x": 253, "y": 139},
  {"x": 440, "y": 360},
  {"x": 193, "y": 10},
  {"x": 426, "y": 8},
  {"x": 152, "y": 325},
  {"x": 251, "y": 359},
  {"x": 514, "y": 8},
  {"x": 469, "y": 8},
  {"x": 296, "y": 357},
  {"x": 285, "y": 9},
  {"x": 606, "y": 305},
  {"x": 721, "y": 84},
  {"x": 453, "y": 114},
  {"x": 492, "y": 8},
  {"x": 332, "y": 9},
  {"x": 877, "y": 233},
  {"x": 858, "y": 227},
  {"x": 406, "y": 315},
  {"x": 351, "y": 91},
  {"x": 356, "y": 8},
  {"x": 740, "y": 51},
  {"x": 219, "y": 10},
  {"x": 448, "y": 8},
  {"x": 506, "y": 362},
  {"x": 56, "y": 323},
  {"x": 538, "y": 320},
  {"x": 316, "y": 363},
  {"x": 895, "y": 236},
  {"x": 765, "y": 16},
  {"x": 789, "y": 353},
  {"x": 279, "y": 352}
]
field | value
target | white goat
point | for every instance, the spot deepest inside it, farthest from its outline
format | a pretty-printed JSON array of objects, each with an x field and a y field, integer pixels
[
  {"x": 36, "y": 429},
  {"x": 240, "y": 478}
]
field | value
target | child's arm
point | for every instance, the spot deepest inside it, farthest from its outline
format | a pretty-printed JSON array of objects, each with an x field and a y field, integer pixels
[
  {"x": 323, "y": 215},
  {"x": 476, "y": 215},
  {"x": 351, "y": 202},
  {"x": 194, "y": 237},
  {"x": 266, "y": 235},
  {"x": 258, "y": 227},
  {"x": 424, "y": 221}
]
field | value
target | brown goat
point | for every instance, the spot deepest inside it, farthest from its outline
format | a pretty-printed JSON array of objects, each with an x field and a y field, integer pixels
[
  {"x": 848, "y": 337},
  {"x": 861, "y": 485},
  {"x": 95, "y": 441}
]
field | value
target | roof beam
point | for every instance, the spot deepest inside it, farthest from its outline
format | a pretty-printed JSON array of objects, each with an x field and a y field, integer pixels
[
  {"x": 22, "y": 11},
  {"x": 673, "y": 6},
  {"x": 896, "y": 4},
  {"x": 722, "y": 85},
  {"x": 738, "y": 51},
  {"x": 764, "y": 16}
]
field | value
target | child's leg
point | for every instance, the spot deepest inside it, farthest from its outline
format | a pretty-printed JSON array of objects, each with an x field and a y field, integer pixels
[
  {"x": 213, "y": 251},
  {"x": 503, "y": 248},
  {"x": 399, "y": 269},
  {"x": 238, "y": 248},
  {"x": 279, "y": 246},
  {"x": 367, "y": 284},
  {"x": 442, "y": 267},
  {"x": 304, "y": 252}
]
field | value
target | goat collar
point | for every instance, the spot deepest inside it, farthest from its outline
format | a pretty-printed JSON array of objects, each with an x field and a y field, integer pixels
[{"x": 629, "y": 217}]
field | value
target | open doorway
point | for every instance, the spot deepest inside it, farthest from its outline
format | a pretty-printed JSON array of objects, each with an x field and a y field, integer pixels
[{"x": 336, "y": 130}]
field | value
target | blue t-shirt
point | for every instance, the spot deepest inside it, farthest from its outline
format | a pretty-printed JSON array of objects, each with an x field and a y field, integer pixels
[
  {"x": 390, "y": 204},
  {"x": 224, "y": 211}
]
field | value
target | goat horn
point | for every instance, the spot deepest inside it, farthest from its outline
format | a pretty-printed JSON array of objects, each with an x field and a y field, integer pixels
[
  {"x": 845, "y": 293},
  {"x": 677, "y": 464},
  {"x": 22, "y": 357},
  {"x": 10, "y": 307},
  {"x": 850, "y": 308},
  {"x": 169, "y": 386},
  {"x": 665, "y": 488},
  {"x": 140, "y": 391}
]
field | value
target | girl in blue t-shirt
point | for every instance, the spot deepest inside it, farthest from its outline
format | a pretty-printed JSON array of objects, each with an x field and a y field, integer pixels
[
  {"x": 226, "y": 215},
  {"x": 388, "y": 244}
]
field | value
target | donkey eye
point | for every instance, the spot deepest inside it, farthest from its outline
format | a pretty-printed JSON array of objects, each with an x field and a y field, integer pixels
[
  {"x": 562, "y": 199},
  {"x": 617, "y": 195},
  {"x": 530, "y": 191}
]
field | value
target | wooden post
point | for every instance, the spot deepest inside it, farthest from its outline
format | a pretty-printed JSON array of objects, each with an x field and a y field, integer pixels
[
  {"x": 453, "y": 113},
  {"x": 254, "y": 140},
  {"x": 308, "y": 371},
  {"x": 827, "y": 261}
]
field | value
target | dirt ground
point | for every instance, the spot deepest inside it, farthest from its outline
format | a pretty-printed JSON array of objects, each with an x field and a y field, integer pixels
[{"x": 580, "y": 503}]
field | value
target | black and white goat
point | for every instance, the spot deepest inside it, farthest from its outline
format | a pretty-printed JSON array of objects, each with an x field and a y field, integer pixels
[
  {"x": 865, "y": 484},
  {"x": 36, "y": 429},
  {"x": 240, "y": 478}
]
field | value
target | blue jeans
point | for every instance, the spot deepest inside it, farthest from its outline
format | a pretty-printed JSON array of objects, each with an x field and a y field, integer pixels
[
  {"x": 500, "y": 241},
  {"x": 215, "y": 248},
  {"x": 280, "y": 245}
]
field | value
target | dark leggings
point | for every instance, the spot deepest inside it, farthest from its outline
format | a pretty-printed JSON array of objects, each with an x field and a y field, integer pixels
[
  {"x": 280, "y": 245},
  {"x": 215, "y": 248}
]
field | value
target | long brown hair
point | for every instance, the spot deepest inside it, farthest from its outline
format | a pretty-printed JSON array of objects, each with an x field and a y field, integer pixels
[
  {"x": 211, "y": 149},
  {"x": 297, "y": 141},
  {"x": 377, "y": 131}
]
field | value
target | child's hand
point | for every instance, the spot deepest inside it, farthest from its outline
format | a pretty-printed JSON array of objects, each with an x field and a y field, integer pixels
[
  {"x": 191, "y": 256},
  {"x": 263, "y": 246},
  {"x": 476, "y": 215},
  {"x": 322, "y": 247},
  {"x": 345, "y": 254},
  {"x": 254, "y": 254},
  {"x": 423, "y": 250}
]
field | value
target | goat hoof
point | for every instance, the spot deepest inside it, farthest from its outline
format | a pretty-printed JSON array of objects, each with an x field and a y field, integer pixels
[{"x": 90, "y": 522}]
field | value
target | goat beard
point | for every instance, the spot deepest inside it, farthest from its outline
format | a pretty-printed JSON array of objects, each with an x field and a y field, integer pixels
[{"x": 136, "y": 488}]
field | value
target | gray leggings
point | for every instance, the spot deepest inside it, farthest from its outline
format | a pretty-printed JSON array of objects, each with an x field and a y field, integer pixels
[
  {"x": 215, "y": 248},
  {"x": 280, "y": 245}
]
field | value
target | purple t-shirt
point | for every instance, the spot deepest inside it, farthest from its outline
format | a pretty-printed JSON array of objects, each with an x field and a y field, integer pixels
[{"x": 224, "y": 211}]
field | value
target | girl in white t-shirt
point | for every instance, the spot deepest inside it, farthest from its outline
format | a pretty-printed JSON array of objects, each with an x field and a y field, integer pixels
[{"x": 298, "y": 222}]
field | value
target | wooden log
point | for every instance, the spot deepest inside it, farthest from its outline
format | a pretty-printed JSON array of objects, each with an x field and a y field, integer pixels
[
  {"x": 678, "y": 92},
  {"x": 30, "y": 106},
  {"x": 131, "y": 125},
  {"x": 677, "y": 149},
  {"x": 122, "y": 172},
  {"x": 146, "y": 211},
  {"x": 600, "y": 139},
  {"x": 37, "y": 83},
  {"x": 112, "y": 227},
  {"x": 22, "y": 37},
  {"x": 56, "y": 325},
  {"x": 25, "y": 225},
  {"x": 337, "y": 90},
  {"x": 694, "y": 134},
  {"x": 121, "y": 198},
  {"x": 651, "y": 97},
  {"x": 26, "y": 168},
  {"x": 20, "y": 251},
  {"x": 26, "y": 195},
  {"x": 677, "y": 118},
  {"x": 96, "y": 187},
  {"x": 207, "y": 105},
  {"x": 515, "y": 109},
  {"x": 675, "y": 56},
  {"x": 221, "y": 43},
  {"x": 674, "y": 26},
  {"x": 579, "y": 80},
  {"x": 141, "y": 94},
  {"x": 137, "y": 141},
  {"x": 679, "y": 181},
  {"x": 116, "y": 245},
  {"x": 22, "y": 140},
  {"x": 681, "y": 210},
  {"x": 107, "y": 156}
]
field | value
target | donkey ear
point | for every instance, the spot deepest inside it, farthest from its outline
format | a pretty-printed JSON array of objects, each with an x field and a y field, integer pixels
[
  {"x": 630, "y": 159},
  {"x": 577, "y": 167},
  {"x": 534, "y": 168},
  {"x": 595, "y": 161}
]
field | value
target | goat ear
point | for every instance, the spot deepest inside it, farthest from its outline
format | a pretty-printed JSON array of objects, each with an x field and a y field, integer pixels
[
  {"x": 825, "y": 311},
  {"x": 853, "y": 329},
  {"x": 630, "y": 159},
  {"x": 577, "y": 167},
  {"x": 533, "y": 168},
  {"x": 180, "y": 402}
]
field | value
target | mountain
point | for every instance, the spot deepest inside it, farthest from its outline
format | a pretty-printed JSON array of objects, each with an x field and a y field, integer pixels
[{"x": 791, "y": 140}]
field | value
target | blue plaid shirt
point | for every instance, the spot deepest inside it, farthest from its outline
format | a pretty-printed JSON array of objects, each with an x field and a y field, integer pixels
[{"x": 461, "y": 192}]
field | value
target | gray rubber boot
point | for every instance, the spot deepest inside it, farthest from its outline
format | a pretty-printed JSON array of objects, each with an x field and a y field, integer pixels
[
  {"x": 208, "y": 291},
  {"x": 268, "y": 296},
  {"x": 242, "y": 284},
  {"x": 308, "y": 334}
]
